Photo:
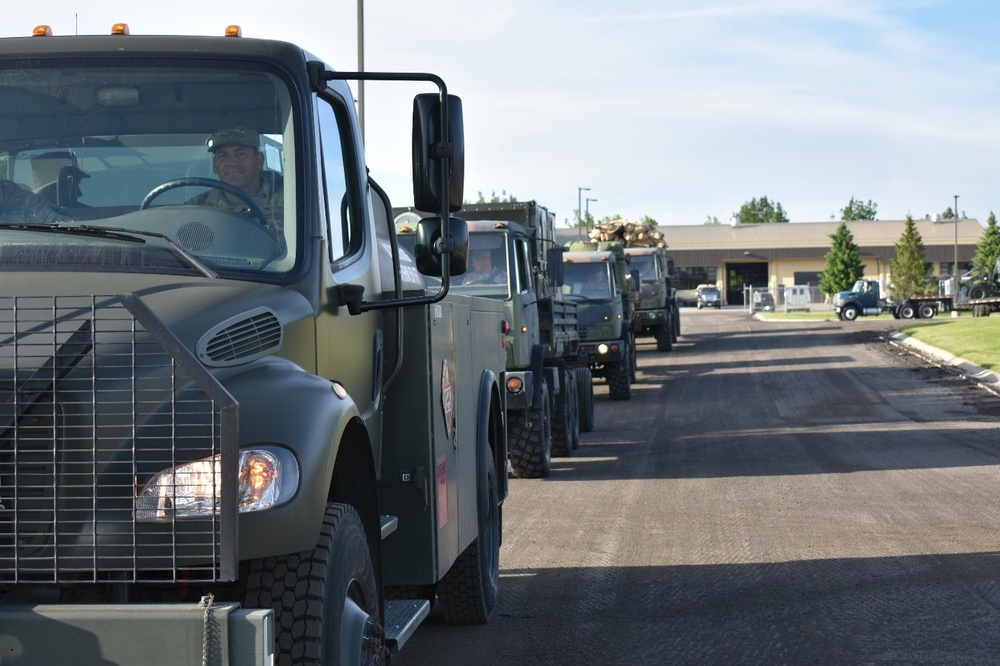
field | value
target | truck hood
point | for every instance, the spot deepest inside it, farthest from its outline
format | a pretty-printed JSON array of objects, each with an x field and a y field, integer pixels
[{"x": 193, "y": 309}]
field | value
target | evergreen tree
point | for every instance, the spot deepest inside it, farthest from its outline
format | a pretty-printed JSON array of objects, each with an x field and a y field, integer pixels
[
  {"x": 843, "y": 262},
  {"x": 988, "y": 248},
  {"x": 910, "y": 270}
]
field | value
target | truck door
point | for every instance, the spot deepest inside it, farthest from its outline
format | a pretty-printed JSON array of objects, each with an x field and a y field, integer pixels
[{"x": 350, "y": 348}]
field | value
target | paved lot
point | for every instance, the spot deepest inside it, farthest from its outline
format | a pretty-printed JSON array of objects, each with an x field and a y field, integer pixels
[{"x": 774, "y": 493}]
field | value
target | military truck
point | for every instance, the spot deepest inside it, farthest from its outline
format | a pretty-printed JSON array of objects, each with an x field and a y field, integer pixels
[
  {"x": 657, "y": 313},
  {"x": 596, "y": 276},
  {"x": 246, "y": 433},
  {"x": 550, "y": 397}
]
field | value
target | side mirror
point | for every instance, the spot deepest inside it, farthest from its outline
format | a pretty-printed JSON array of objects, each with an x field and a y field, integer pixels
[
  {"x": 554, "y": 260},
  {"x": 427, "y": 252},
  {"x": 634, "y": 280},
  {"x": 438, "y": 161}
]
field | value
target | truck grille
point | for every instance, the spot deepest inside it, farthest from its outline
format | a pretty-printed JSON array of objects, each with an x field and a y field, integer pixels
[{"x": 97, "y": 397}]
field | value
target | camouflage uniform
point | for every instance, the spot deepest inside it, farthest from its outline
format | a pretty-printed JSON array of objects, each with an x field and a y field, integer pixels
[
  {"x": 18, "y": 205},
  {"x": 271, "y": 195},
  {"x": 271, "y": 198}
]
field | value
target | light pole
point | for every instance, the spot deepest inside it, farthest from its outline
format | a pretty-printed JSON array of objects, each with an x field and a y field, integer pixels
[
  {"x": 587, "y": 208},
  {"x": 579, "y": 208},
  {"x": 361, "y": 66},
  {"x": 954, "y": 271}
]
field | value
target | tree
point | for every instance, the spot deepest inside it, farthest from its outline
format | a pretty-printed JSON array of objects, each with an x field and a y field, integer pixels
[
  {"x": 855, "y": 210},
  {"x": 648, "y": 221},
  {"x": 910, "y": 271},
  {"x": 712, "y": 219},
  {"x": 987, "y": 249},
  {"x": 843, "y": 262},
  {"x": 760, "y": 211},
  {"x": 503, "y": 197}
]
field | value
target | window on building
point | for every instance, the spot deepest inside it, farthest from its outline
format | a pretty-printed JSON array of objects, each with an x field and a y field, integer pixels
[{"x": 691, "y": 276}]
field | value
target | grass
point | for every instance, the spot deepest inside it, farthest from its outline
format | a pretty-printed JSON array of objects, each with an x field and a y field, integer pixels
[{"x": 976, "y": 339}]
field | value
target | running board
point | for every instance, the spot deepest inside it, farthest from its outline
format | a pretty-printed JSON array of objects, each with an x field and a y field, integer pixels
[
  {"x": 402, "y": 617},
  {"x": 389, "y": 525}
]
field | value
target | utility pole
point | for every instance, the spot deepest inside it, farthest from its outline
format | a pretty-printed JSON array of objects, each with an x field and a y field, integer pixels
[
  {"x": 579, "y": 208},
  {"x": 587, "y": 208},
  {"x": 361, "y": 66}
]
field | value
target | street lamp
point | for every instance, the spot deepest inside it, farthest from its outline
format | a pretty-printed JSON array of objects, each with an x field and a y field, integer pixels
[
  {"x": 954, "y": 271},
  {"x": 579, "y": 208},
  {"x": 588, "y": 213}
]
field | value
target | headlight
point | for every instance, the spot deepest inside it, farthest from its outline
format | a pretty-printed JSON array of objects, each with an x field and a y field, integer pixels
[
  {"x": 602, "y": 348},
  {"x": 268, "y": 477}
]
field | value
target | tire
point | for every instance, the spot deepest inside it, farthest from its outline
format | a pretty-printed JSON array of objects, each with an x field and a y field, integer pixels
[
  {"x": 565, "y": 418},
  {"x": 907, "y": 311},
  {"x": 926, "y": 311},
  {"x": 850, "y": 312},
  {"x": 468, "y": 592},
  {"x": 338, "y": 621},
  {"x": 585, "y": 398},
  {"x": 978, "y": 291},
  {"x": 664, "y": 338},
  {"x": 529, "y": 434},
  {"x": 620, "y": 388},
  {"x": 633, "y": 360}
]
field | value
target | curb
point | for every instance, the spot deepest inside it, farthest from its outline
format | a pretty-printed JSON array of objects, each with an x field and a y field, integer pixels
[{"x": 947, "y": 359}]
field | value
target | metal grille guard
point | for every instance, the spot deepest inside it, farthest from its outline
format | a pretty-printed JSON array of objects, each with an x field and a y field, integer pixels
[{"x": 96, "y": 397}]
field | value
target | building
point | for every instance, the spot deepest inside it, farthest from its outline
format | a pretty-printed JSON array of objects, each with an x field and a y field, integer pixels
[{"x": 781, "y": 255}]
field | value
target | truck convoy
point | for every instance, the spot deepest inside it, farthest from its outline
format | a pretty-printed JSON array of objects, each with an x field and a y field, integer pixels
[
  {"x": 549, "y": 390},
  {"x": 596, "y": 276},
  {"x": 242, "y": 433}
]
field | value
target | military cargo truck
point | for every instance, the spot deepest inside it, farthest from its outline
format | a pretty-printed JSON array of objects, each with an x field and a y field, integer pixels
[
  {"x": 236, "y": 430},
  {"x": 596, "y": 276},
  {"x": 549, "y": 388},
  {"x": 657, "y": 313}
]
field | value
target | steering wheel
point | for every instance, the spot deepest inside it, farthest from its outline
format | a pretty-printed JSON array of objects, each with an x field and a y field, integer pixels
[{"x": 247, "y": 198}]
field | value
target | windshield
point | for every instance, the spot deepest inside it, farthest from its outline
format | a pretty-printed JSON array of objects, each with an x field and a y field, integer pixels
[
  {"x": 199, "y": 155},
  {"x": 645, "y": 264},
  {"x": 591, "y": 280},
  {"x": 486, "y": 274}
]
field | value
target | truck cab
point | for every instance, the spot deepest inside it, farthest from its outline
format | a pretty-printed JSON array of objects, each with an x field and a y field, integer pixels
[
  {"x": 605, "y": 291},
  {"x": 656, "y": 312},
  {"x": 233, "y": 410},
  {"x": 864, "y": 298}
]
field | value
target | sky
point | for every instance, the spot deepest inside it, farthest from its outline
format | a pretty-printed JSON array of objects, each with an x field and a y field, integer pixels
[{"x": 680, "y": 110}]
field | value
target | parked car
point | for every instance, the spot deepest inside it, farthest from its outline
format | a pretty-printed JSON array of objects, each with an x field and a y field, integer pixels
[{"x": 709, "y": 297}]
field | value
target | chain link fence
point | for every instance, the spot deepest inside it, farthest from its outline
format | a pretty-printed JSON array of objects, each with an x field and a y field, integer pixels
[{"x": 786, "y": 298}]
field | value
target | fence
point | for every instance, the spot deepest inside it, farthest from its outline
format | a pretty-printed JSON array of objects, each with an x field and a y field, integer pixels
[{"x": 786, "y": 298}]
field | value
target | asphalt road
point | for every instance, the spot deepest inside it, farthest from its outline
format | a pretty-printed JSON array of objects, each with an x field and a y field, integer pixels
[{"x": 773, "y": 493}]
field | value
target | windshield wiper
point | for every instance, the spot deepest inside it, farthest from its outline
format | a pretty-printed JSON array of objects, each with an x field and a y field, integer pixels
[{"x": 115, "y": 233}]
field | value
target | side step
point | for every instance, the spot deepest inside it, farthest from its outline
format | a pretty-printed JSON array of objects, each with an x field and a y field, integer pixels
[
  {"x": 389, "y": 525},
  {"x": 402, "y": 617}
]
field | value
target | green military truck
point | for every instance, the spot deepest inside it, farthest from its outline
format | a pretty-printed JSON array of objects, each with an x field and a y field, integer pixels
[
  {"x": 597, "y": 277},
  {"x": 657, "y": 313},
  {"x": 549, "y": 388},
  {"x": 241, "y": 434}
]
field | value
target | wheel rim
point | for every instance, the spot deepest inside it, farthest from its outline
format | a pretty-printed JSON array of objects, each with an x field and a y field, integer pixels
[{"x": 362, "y": 641}]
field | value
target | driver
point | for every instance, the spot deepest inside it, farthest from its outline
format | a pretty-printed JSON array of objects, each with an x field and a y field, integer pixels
[{"x": 237, "y": 161}]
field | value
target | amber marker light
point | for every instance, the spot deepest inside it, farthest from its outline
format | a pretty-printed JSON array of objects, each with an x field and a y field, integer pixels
[
  {"x": 233, "y": 31},
  {"x": 119, "y": 29},
  {"x": 41, "y": 31}
]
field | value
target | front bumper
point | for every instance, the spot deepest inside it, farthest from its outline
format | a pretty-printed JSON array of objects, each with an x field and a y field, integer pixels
[
  {"x": 138, "y": 633},
  {"x": 646, "y": 320},
  {"x": 610, "y": 351}
]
